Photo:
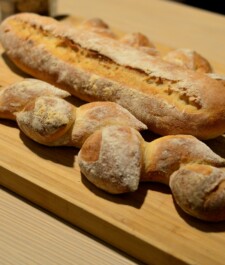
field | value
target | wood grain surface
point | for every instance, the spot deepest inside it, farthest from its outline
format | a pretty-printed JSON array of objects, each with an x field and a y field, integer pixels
[
  {"x": 32, "y": 236},
  {"x": 145, "y": 224}
]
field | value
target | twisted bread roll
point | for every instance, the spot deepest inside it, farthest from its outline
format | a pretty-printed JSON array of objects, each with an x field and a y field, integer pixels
[
  {"x": 113, "y": 154},
  {"x": 117, "y": 158},
  {"x": 167, "y": 98},
  {"x": 54, "y": 121},
  {"x": 48, "y": 119}
]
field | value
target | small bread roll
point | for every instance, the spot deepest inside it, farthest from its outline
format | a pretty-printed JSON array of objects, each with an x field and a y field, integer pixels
[
  {"x": 47, "y": 120},
  {"x": 14, "y": 97},
  {"x": 111, "y": 159},
  {"x": 200, "y": 191}
]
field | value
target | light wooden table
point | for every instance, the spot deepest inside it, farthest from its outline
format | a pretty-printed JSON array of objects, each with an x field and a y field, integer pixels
[{"x": 29, "y": 235}]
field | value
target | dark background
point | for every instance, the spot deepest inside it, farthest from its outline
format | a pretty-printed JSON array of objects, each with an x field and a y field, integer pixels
[{"x": 215, "y": 6}]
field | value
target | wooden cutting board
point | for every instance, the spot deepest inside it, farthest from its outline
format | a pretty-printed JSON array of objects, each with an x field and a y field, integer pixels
[{"x": 146, "y": 224}]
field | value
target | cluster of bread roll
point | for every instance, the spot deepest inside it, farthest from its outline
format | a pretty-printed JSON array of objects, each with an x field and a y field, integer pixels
[
  {"x": 117, "y": 158},
  {"x": 131, "y": 88},
  {"x": 113, "y": 154}
]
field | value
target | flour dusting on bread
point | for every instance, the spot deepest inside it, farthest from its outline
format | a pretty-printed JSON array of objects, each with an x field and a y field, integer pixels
[
  {"x": 14, "y": 97},
  {"x": 167, "y": 98},
  {"x": 117, "y": 167}
]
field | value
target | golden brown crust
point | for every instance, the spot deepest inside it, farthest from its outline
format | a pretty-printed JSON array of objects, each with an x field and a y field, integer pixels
[
  {"x": 53, "y": 121},
  {"x": 189, "y": 59},
  {"x": 14, "y": 97},
  {"x": 96, "y": 115},
  {"x": 98, "y": 26},
  {"x": 140, "y": 41},
  {"x": 117, "y": 159},
  {"x": 48, "y": 119},
  {"x": 200, "y": 191},
  {"x": 91, "y": 150},
  {"x": 195, "y": 174},
  {"x": 167, "y": 154},
  {"x": 167, "y": 98},
  {"x": 218, "y": 77}
]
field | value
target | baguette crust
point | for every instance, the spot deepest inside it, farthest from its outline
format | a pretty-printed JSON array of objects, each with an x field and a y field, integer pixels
[
  {"x": 219, "y": 77},
  {"x": 167, "y": 98},
  {"x": 98, "y": 26},
  {"x": 140, "y": 41},
  {"x": 189, "y": 59}
]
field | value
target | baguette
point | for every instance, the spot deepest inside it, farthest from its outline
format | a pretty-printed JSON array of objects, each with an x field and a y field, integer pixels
[
  {"x": 167, "y": 98},
  {"x": 116, "y": 159},
  {"x": 44, "y": 116}
]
